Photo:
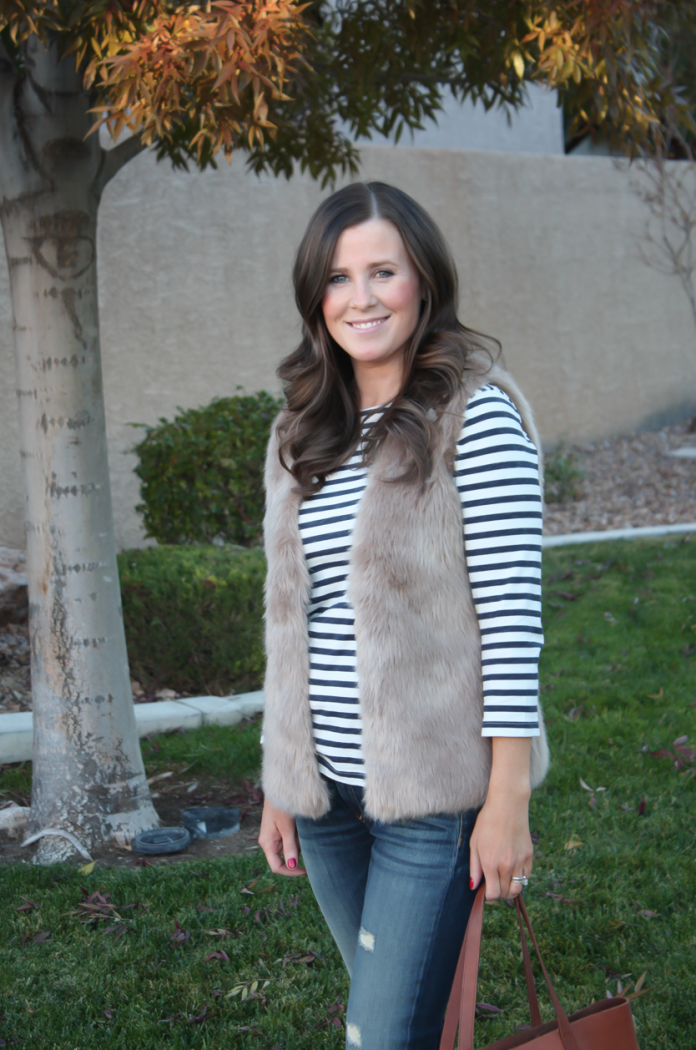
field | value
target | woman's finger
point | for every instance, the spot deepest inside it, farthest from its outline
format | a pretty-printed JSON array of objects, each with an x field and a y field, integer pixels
[
  {"x": 475, "y": 869},
  {"x": 291, "y": 852},
  {"x": 492, "y": 883}
]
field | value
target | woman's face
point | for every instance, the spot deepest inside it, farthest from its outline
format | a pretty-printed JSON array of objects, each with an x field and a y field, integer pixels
[{"x": 373, "y": 298}]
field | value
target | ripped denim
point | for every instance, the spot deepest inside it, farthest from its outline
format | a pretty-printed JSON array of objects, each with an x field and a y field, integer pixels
[{"x": 396, "y": 898}]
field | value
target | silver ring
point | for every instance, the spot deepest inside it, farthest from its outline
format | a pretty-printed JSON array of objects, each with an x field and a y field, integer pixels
[{"x": 523, "y": 879}]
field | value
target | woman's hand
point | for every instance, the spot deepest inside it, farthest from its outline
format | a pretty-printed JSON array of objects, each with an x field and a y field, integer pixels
[
  {"x": 501, "y": 845},
  {"x": 278, "y": 837}
]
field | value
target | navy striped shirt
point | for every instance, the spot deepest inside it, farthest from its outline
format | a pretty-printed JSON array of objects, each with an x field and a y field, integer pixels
[{"x": 496, "y": 474}]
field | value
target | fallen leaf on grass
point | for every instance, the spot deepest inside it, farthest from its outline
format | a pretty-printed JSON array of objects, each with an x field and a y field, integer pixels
[
  {"x": 564, "y": 900},
  {"x": 573, "y": 844},
  {"x": 656, "y": 696},
  {"x": 39, "y": 938},
  {"x": 219, "y": 954},
  {"x": 198, "y": 1017},
  {"x": 203, "y": 907},
  {"x": 180, "y": 936},
  {"x": 109, "y": 1013},
  {"x": 300, "y": 957},
  {"x": 249, "y": 990},
  {"x": 648, "y": 914},
  {"x": 487, "y": 1008},
  {"x": 95, "y": 906},
  {"x": 221, "y": 932},
  {"x": 117, "y": 931},
  {"x": 28, "y": 905},
  {"x": 332, "y": 1020},
  {"x": 87, "y": 869},
  {"x": 642, "y": 806}
]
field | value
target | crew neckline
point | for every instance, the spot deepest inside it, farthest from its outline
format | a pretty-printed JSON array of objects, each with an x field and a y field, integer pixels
[{"x": 374, "y": 408}]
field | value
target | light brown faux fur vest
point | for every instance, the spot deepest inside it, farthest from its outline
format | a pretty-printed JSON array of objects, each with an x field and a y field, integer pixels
[{"x": 417, "y": 636}]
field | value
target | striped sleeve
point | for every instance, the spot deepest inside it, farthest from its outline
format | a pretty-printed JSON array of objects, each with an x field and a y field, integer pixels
[{"x": 496, "y": 473}]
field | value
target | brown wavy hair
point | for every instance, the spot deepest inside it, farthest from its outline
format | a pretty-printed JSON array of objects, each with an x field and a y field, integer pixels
[{"x": 320, "y": 428}]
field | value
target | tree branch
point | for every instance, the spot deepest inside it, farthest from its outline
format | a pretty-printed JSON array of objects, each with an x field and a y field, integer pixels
[
  {"x": 114, "y": 159},
  {"x": 8, "y": 72}
]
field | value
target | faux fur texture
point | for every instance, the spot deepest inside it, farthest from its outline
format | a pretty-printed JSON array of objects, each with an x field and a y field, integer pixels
[{"x": 417, "y": 635}]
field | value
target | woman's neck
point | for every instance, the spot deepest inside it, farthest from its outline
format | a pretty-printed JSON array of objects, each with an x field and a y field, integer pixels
[{"x": 377, "y": 385}]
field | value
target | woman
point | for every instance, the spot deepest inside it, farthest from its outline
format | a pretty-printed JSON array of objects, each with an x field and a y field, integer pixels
[{"x": 402, "y": 734}]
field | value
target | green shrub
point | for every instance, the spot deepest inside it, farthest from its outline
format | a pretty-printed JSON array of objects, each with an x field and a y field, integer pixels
[
  {"x": 194, "y": 617},
  {"x": 562, "y": 476},
  {"x": 202, "y": 473}
]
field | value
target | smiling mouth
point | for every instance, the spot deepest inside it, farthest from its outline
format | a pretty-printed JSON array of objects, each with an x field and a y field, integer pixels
[{"x": 365, "y": 326}]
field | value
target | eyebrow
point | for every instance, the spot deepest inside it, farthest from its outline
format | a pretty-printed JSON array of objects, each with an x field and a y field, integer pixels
[{"x": 371, "y": 266}]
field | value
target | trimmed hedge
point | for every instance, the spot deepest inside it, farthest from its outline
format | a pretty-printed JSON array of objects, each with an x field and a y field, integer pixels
[
  {"x": 202, "y": 472},
  {"x": 194, "y": 618}
]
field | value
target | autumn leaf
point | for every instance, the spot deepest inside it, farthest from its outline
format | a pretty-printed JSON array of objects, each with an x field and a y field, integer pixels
[
  {"x": 28, "y": 905},
  {"x": 198, "y": 1017},
  {"x": 40, "y": 938},
  {"x": 87, "y": 869},
  {"x": 573, "y": 844},
  {"x": 180, "y": 936},
  {"x": 564, "y": 900}
]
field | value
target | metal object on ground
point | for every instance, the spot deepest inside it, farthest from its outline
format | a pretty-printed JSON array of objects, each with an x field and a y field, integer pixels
[
  {"x": 211, "y": 822},
  {"x": 161, "y": 840}
]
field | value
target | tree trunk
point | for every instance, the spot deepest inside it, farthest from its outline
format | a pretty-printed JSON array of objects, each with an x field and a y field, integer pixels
[{"x": 88, "y": 773}]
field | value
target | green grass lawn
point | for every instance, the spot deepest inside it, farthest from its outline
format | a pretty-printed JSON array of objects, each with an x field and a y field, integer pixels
[{"x": 619, "y": 688}]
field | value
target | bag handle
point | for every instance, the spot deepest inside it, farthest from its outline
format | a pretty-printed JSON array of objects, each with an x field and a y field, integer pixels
[
  {"x": 461, "y": 1009},
  {"x": 534, "y": 1011}
]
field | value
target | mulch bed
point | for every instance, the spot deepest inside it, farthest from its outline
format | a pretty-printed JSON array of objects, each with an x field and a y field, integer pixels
[{"x": 630, "y": 482}]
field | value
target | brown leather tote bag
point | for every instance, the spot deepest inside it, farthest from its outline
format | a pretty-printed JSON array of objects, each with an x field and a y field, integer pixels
[{"x": 605, "y": 1025}]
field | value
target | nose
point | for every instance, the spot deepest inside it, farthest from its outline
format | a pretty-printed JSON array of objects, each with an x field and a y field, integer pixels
[{"x": 362, "y": 297}]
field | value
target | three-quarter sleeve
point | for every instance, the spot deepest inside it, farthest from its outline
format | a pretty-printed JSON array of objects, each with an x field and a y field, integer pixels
[{"x": 496, "y": 473}]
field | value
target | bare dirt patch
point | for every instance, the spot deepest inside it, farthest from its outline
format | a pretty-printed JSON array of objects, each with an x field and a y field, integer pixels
[{"x": 170, "y": 796}]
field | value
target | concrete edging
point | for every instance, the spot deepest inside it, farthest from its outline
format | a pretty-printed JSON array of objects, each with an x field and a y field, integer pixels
[
  {"x": 616, "y": 534},
  {"x": 16, "y": 728}
]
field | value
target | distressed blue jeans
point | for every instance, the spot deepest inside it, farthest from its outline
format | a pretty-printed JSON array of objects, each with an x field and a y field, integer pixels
[{"x": 396, "y": 898}]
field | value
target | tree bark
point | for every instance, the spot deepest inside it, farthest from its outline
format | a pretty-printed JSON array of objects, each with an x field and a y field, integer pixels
[{"x": 88, "y": 773}]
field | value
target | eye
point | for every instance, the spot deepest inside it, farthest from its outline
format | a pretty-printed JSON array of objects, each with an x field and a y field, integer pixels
[
  {"x": 384, "y": 273},
  {"x": 338, "y": 278}
]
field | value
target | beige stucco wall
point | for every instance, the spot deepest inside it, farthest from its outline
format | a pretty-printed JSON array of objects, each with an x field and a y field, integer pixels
[{"x": 195, "y": 291}]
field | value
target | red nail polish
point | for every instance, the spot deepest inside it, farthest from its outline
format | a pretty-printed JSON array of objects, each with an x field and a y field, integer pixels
[
  {"x": 471, "y": 884},
  {"x": 292, "y": 863}
]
